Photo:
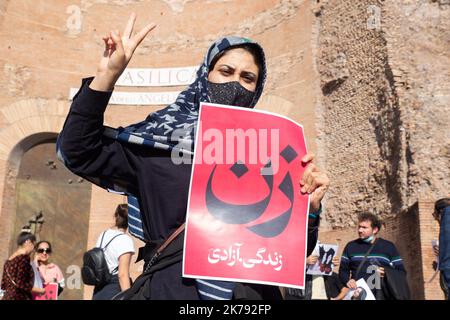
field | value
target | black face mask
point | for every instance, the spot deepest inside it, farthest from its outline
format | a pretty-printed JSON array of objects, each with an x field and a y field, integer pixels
[{"x": 230, "y": 93}]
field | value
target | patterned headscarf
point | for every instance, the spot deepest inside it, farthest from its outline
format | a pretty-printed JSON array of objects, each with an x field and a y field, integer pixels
[{"x": 173, "y": 127}]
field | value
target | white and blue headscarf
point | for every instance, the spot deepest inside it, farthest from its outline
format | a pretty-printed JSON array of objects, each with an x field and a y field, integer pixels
[
  {"x": 173, "y": 129},
  {"x": 180, "y": 117}
]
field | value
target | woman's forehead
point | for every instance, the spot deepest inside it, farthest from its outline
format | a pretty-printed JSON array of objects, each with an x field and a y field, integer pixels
[{"x": 239, "y": 58}]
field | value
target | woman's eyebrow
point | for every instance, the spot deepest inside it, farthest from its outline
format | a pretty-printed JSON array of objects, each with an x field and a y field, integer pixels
[
  {"x": 226, "y": 65},
  {"x": 245, "y": 73},
  {"x": 249, "y": 73}
]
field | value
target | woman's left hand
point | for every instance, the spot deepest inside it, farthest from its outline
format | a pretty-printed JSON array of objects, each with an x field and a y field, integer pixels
[{"x": 314, "y": 182}]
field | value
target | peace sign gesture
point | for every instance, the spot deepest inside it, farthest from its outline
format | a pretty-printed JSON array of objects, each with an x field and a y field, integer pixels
[{"x": 117, "y": 54}]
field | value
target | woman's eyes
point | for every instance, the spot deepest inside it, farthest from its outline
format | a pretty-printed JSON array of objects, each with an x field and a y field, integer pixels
[
  {"x": 249, "y": 79},
  {"x": 229, "y": 72}
]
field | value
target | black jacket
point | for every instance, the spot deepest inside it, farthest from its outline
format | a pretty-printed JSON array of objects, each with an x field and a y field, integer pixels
[{"x": 394, "y": 285}]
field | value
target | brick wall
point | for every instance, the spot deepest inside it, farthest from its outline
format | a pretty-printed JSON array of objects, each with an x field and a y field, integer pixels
[
  {"x": 417, "y": 34},
  {"x": 385, "y": 102},
  {"x": 359, "y": 125},
  {"x": 404, "y": 231},
  {"x": 8, "y": 218},
  {"x": 429, "y": 230}
]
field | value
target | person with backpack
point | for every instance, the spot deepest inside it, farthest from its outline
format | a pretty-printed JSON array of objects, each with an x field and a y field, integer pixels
[{"x": 118, "y": 247}]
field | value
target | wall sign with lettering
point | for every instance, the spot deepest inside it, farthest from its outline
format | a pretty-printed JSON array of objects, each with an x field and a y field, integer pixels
[{"x": 149, "y": 77}]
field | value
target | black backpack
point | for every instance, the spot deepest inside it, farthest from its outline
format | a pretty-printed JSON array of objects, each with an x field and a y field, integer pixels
[{"x": 95, "y": 270}]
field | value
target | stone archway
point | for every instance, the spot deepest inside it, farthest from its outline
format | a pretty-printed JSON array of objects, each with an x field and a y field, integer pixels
[{"x": 29, "y": 183}]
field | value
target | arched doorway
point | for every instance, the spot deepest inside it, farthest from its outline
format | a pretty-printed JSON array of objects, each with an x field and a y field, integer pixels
[{"x": 44, "y": 185}]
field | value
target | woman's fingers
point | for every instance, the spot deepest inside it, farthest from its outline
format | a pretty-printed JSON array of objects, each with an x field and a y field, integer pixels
[
  {"x": 128, "y": 43},
  {"x": 130, "y": 25},
  {"x": 312, "y": 178},
  {"x": 307, "y": 177},
  {"x": 118, "y": 51},
  {"x": 118, "y": 42},
  {"x": 137, "y": 39},
  {"x": 109, "y": 45},
  {"x": 313, "y": 183},
  {"x": 105, "y": 40},
  {"x": 319, "y": 179},
  {"x": 308, "y": 158}
]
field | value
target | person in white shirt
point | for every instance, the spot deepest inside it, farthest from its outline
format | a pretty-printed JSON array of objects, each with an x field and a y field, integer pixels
[{"x": 119, "y": 248}]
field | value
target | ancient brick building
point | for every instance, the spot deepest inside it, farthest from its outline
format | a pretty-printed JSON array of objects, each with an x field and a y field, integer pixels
[{"x": 368, "y": 79}]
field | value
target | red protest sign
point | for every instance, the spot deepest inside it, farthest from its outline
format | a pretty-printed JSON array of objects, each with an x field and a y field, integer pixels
[
  {"x": 246, "y": 220},
  {"x": 51, "y": 292}
]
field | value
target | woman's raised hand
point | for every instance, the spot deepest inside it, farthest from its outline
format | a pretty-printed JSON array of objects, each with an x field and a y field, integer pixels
[{"x": 117, "y": 54}]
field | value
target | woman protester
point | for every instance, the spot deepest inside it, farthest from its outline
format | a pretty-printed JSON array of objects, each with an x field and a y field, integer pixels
[{"x": 137, "y": 159}]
